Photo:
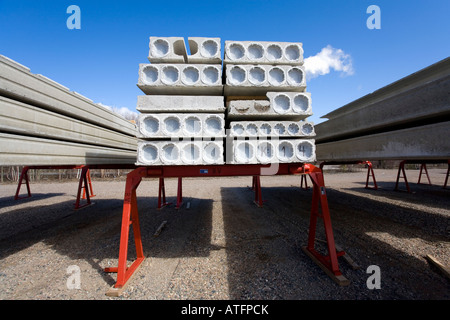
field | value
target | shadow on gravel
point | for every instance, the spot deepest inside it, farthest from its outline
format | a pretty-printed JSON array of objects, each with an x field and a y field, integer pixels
[
  {"x": 265, "y": 259},
  {"x": 9, "y": 201},
  {"x": 93, "y": 233}
]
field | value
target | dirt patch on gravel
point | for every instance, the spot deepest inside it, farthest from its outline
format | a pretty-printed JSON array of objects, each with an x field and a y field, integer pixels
[{"x": 225, "y": 247}]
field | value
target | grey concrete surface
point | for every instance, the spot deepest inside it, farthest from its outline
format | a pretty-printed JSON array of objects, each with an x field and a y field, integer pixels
[
  {"x": 263, "y": 52},
  {"x": 23, "y": 119},
  {"x": 169, "y": 103},
  {"x": 18, "y": 83},
  {"x": 181, "y": 79},
  {"x": 18, "y": 150},
  {"x": 417, "y": 143},
  {"x": 271, "y": 128}
]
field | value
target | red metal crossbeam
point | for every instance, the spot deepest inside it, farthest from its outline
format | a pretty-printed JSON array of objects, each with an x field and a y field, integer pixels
[{"x": 130, "y": 214}]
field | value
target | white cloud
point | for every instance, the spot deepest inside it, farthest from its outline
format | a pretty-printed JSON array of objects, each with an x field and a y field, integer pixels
[
  {"x": 123, "y": 111},
  {"x": 328, "y": 59}
]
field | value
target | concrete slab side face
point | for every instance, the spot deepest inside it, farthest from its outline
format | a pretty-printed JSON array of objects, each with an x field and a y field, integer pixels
[
  {"x": 204, "y": 50},
  {"x": 180, "y": 152},
  {"x": 167, "y": 103},
  {"x": 271, "y": 151},
  {"x": 417, "y": 143},
  {"x": 168, "y": 125},
  {"x": 259, "y": 79},
  {"x": 19, "y": 150},
  {"x": 263, "y": 52},
  {"x": 262, "y": 129},
  {"x": 24, "y": 119},
  {"x": 18, "y": 83},
  {"x": 167, "y": 50},
  {"x": 180, "y": 79}
]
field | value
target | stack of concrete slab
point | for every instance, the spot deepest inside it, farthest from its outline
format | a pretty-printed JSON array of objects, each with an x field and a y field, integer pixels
[
  {"x": 182, "y": 114},
  {"x": 44, "y": 123},
  {"x": 406, "y": 120},
  {"x": 267, "y": 103}
]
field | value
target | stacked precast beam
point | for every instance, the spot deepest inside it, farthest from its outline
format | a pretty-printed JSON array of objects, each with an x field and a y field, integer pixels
[
  {"x": 44, "y": 123},
  {"x": 406, "y": 120},
  {"x": 182, "y": 120},
  {"x": 264, "y": 88}
]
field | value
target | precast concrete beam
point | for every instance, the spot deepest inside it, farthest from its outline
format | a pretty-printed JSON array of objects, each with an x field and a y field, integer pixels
[
  {"x": 168, "y": 103},
  {"x": 180, "y": 152},
  {"x": 181, "y": 79},
  {"x": 263, "y": 52},
  {"x": 271, "y": 129},
  {"x": 418, "y": 143},
  {"x": 18, "y": 150},
  {"x": 254, "y": 80},
  {"x": 18, "y": 83},
  {"x": 168, "y": 125},
  {"x": 204, "y": 50},
  {"x": 167, "y": 50},
  {"x": 280, "y": 105},
  {"x": 23, "y": 119},
  {"x": 426, "y": 102},
  {"x": 265, "y": 151}
]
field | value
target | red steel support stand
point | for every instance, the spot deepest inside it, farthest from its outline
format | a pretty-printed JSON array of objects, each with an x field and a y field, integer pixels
[
  {"x": 370, "y": 172},
  {"x": 423, "y": 168},
  {"x": 329, "y": 263},
  {"x": 304, "y": 179},
  {"x": 85, "y": 183},
  {"x": 162, "y": 194}
]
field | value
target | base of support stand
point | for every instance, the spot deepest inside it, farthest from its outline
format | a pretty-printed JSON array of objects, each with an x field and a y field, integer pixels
[
  {"x": 117, "y": 292},
  {"x": 339, "y": 279}
]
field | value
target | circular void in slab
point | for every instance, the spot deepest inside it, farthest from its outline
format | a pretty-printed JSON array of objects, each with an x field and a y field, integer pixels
[
  {"x": 293, "y": 129},
  {"x": 307, "y": 129},
  {"x": 257, "y": 75},
  {"x": 274, "y": 52},
  {"x": 150, "y": 74},
  {"x": 255, "y": 51},
  {"x": 213, "y": 125},
  {"x": 236, "y": 51},
  {"x": 265, "y": 152},
  {"x": 281, "y": 104},
  {"x": 209, "y": 49},
  {"x": 149, "y": 153},
  {"x": 150, "y": 126},
  {"x": 172, "y": 125},
  {"x": 285, "y": 151},
  {"x": 301, "y": 103},
  {"x": 160, "y": 48},
  {"x": 212, "y": 153},
  {"x": 190, "y": 75},
  {"x": 265, "y": 129},
  {"x": 170, "y": 75},
  {"x": 279, "y": 129},
  {"x": 305, "y": 150},
  {"x": 238, "y": 129},
  {"x": 244, "y": 152},
  {"x": 292, "y": 52},
  {"x": 191, "y": 153},
  {"x": 295, "y": 76},
  {"x": 251, "y": 129},
  {"x": 210, "y": 75},
  {"x": 237, "y": 75},
  {"x": 276, "y": 76},
  {"x": 192, "y": 125},
  {"x": 170, "y": 153}
]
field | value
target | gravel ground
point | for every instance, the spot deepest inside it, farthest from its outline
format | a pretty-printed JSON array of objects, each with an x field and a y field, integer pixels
[{"x": 223, "y": 246}]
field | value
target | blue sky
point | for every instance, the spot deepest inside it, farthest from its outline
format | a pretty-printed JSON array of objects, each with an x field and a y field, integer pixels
[{"x": 101, "y": 59}]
